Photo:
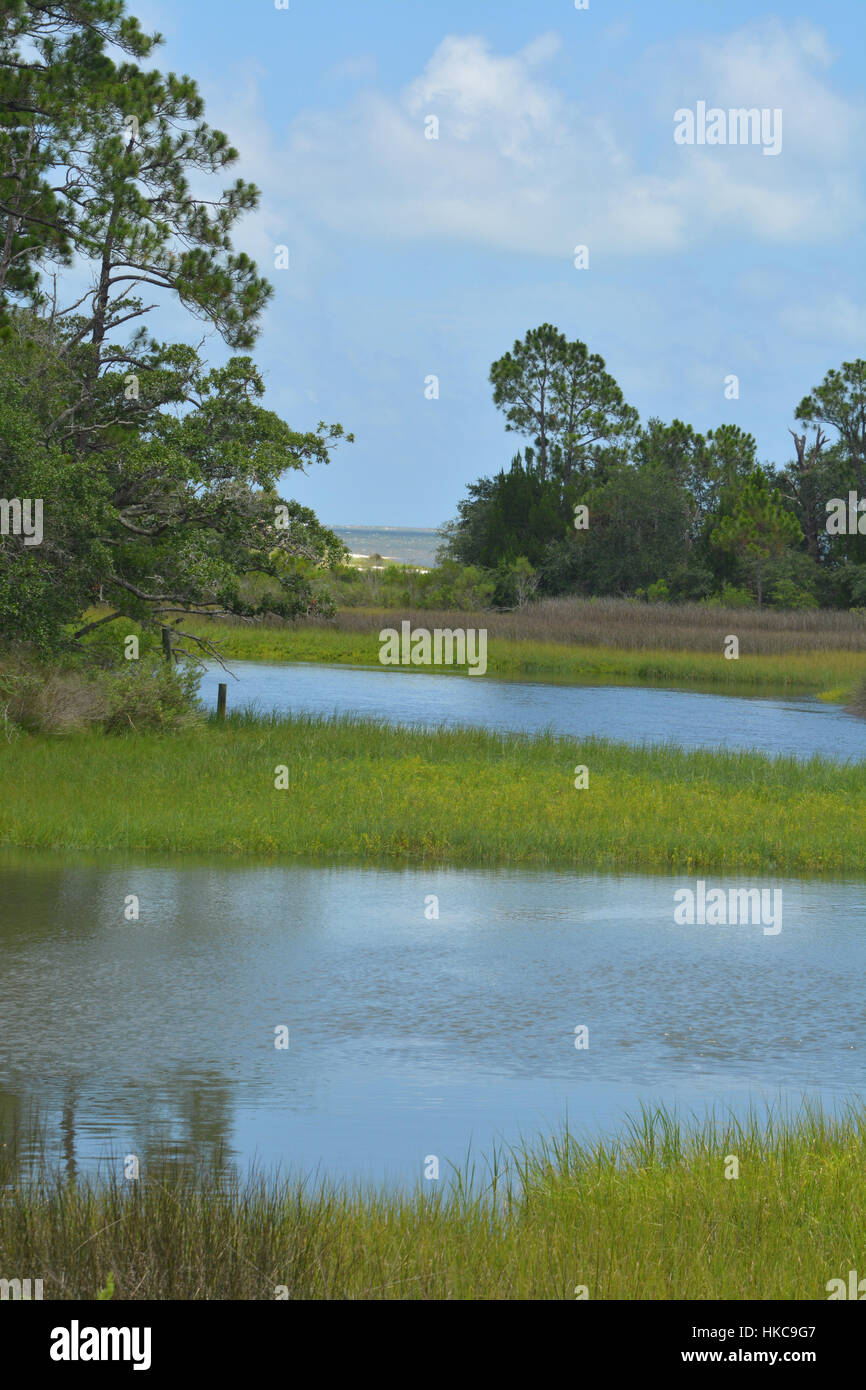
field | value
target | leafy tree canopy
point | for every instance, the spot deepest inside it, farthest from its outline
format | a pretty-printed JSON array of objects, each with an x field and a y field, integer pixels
[
  {"x": 159, "y": 475},
  {"x": 559, "y": 396}
]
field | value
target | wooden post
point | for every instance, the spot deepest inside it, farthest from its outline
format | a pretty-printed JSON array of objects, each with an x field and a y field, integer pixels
[{"x": 221, "y": 700}]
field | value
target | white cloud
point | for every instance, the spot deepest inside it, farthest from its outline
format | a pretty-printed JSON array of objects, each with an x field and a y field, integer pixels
[
  {"x": 517, "y": 166},
  {"x": 523, "y": 165},
  {"x": 832, "y": 318}
]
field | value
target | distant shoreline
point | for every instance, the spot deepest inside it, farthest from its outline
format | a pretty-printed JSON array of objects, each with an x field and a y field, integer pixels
[
  {"x": 398, "y": 545},
  {"x": 409, "y": 530}
]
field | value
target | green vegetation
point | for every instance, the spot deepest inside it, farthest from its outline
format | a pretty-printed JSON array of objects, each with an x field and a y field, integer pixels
[
  {"x": 361, "y": 790},
  {"x": 131, "y": 469},
  {"x": 649, "y": 1216},
  {"x": 138, "y": 477},
  {"x": 572, "y": 640},
  {"x": 758, "y": 528},
  {"x": 597, "y": 503},
  {"x": 94, "y": 689},
  {"x": 816, "y": 672},
  {"x": 446, "y": 585}
]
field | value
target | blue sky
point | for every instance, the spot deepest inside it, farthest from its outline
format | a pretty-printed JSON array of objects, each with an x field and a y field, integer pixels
[{"x": 412, "y": 257}]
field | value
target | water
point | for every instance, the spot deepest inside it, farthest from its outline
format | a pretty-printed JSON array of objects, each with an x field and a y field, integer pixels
[
  {"x": 408, "y": 1037},
  {"x": 789, "y": 726},
  {"x": 406, "y": 545}
]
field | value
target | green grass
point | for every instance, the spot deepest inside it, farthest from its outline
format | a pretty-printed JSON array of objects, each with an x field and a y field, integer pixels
[
  {"x": 833, "y": 672},
  {"x": 820, "y": 652},
  {"x": 362, "y": 790},
  {"x": 650, "y": 1215}
]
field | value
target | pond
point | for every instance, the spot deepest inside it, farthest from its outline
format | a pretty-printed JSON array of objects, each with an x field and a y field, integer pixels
[{"x": 409, "y": 1034}]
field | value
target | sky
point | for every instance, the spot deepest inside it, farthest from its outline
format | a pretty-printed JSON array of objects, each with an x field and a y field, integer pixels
[{"x": 411, "y": 258}]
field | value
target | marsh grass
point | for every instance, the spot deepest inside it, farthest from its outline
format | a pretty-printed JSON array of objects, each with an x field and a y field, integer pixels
[
  {"x": 591, "y": 640},
  {"x": 647, "y": 1215},
  {"x": 624, "y": 624},
  {"x": 363, "y": 790},
  {"x": 817, "y": 669},
  {"x": 629, "y": 625}
]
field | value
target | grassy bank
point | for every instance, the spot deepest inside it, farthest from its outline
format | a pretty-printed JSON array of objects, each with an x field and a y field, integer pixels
[
  {"x": 832, "y": 674},
  {"x": 359, "y": 790},
  {"x": 595, "y": 640},
  {"x": 629, "y": 625},
  {"x": 650, "y": 1216}
]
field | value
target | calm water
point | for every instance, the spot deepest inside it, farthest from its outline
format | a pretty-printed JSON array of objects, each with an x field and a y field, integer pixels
[
  {"x": 796, "y": 727},
  {"x": 408, "y": 1036}
]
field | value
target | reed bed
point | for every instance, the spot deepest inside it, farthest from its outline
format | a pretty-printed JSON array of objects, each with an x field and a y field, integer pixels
[
  {"x": 650, "y": 1214},
  {"x": 587, "y": 640},
  {"x": 362, "y": 790},
  {"x": 831, "y": 674},
  {"x": 635, "y": 626},
  {"x": 632, "y": 625}
]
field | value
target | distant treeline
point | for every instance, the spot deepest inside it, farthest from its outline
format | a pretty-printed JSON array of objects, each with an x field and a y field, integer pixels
[{"x": 596, "y": 504}]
